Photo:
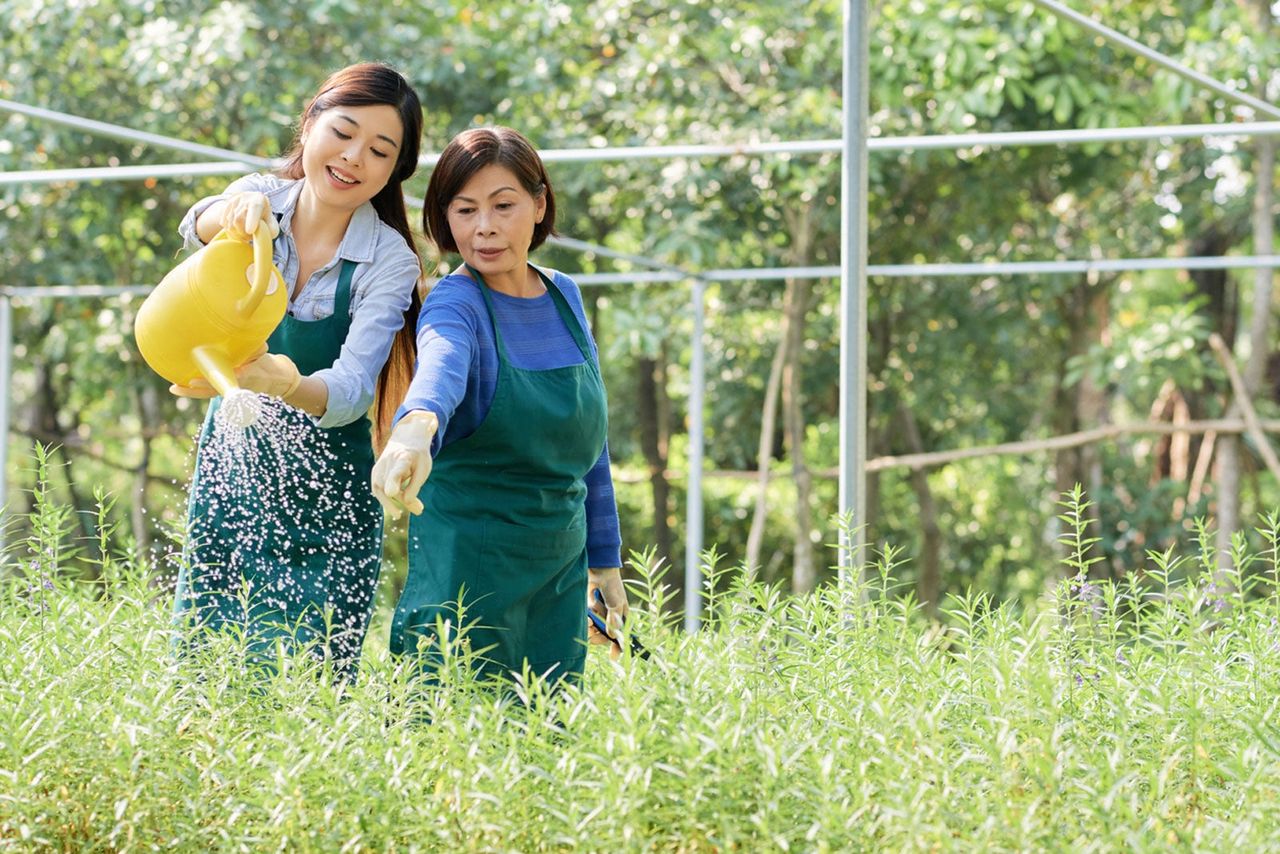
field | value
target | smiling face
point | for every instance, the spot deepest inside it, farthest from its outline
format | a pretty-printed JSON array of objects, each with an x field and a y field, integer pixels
[
  {"x": 492, "y": 219},
  {"x": 349, "y": 153}
]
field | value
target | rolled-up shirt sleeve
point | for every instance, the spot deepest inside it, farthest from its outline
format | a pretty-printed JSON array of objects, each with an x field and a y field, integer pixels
[
  {"x": 256, "y": 183},
  {"x": 377, "y": 314}
]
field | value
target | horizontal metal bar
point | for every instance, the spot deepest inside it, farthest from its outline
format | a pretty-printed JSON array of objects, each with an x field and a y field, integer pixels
[
  {"x": 20, "y": 292},
  {"x": 1075, "y": 136},
  {"x": 901, "y": 143},
  {"x": 658, "y": 152},
  {"x": 676, "y": 272},
  {"x": 1112, "y": 265},
  {"x": 130, "y": 135},
  {"x": 124, "y": 173},
  {"x": 926, "y": 271},
  {"x": 1078, "y": 136},
  {"x": 890, "y": 271}
]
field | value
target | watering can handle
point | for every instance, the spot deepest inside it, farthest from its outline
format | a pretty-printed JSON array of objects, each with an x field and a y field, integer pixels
[{"x": 262, "y": 269}]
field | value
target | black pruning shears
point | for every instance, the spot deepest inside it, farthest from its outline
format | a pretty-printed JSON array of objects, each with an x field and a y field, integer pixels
[{"x": 637, "y": 648}]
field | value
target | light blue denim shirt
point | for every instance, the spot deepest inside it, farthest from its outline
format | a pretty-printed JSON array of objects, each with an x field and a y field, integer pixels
[{"x": 386, "y": 273}]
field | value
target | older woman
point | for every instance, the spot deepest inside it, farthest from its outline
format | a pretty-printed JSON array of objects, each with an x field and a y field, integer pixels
[{"x": 516, "y": 525}]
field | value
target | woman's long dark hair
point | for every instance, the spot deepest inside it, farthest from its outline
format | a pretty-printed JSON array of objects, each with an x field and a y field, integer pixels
[{"x": 362, "y": 85}]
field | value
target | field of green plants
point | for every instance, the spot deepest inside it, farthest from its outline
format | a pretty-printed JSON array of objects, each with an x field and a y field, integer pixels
[{"x": 1138, "y": 716}]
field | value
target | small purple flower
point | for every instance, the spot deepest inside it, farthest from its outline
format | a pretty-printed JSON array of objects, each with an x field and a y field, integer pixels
[
  {"x": 1120, "y": 657},
  {"x": 1079, "y": 680}
]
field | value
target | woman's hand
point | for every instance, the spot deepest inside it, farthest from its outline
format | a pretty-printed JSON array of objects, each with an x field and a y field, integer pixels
[
  {"x": 243, "y": 212},
  {"x": 404, "y": 464},
  {"x": 272, "y": 374},
  {"x": 613, "y": 610}
]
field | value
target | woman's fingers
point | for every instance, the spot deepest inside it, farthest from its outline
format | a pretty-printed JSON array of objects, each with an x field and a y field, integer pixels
[
  {"x": 253, "y": 212},
  {"x": 396, "y": 481}
]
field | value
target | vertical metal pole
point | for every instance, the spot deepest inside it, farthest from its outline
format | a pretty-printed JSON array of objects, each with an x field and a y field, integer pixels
[
  {"x": 693, "y": 518},
  {"x": 853, "y": 288},
  {"x": 6, "y": 366}
]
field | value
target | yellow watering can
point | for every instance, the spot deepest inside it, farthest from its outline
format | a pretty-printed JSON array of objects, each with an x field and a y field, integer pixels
[{"x": 212, "y": 312}]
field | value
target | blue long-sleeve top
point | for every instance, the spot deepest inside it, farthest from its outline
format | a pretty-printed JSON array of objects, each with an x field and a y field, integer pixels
[{"x": 457, "y": 375}]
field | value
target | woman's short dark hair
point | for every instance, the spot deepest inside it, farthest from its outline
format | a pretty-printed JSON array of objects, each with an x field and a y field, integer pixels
[{"x": 468, "y": 153}]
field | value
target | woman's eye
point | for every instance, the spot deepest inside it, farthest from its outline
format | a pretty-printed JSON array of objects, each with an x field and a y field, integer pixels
[
  {"x": 377, "y": 153},
  {"x": 502, "y": 206},
  {"x": 340, "y": 135},
  {"x": 463, "y": 211}
]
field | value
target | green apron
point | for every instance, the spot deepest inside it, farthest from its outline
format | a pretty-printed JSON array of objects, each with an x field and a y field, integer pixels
[
  {"x": 293, "y": 554},
  {"x": 504, "y": 521}
]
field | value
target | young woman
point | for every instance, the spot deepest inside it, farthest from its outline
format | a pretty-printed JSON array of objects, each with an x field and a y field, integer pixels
[
  {"x": 294, "y": 554},
  {"x": 506, "y": 413}
]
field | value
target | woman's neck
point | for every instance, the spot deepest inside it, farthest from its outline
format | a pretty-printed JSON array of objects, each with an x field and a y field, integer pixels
[
  {"x": 317, "y": 224},
  {"x": 521, "y": 281}
]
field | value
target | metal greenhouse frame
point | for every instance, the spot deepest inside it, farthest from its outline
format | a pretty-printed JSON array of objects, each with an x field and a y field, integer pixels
[{"x": 854, "y": 146}]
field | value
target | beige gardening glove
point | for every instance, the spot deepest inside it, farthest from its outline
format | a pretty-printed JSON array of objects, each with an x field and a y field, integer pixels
[
  {"x": 243, "y": 212},
  {"x": 404, "y": 464},
  {"x": 272, "y": 374},
  {"x": 613, "y": 610}
]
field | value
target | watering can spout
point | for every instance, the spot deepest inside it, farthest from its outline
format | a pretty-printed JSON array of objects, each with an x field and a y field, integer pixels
[
  {"x": 216, "y": 367},
  {"x": 213, "y": 312}
]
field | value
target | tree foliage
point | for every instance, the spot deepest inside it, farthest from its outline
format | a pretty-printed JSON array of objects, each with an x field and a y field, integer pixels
[{"x": 967, "y": 361}]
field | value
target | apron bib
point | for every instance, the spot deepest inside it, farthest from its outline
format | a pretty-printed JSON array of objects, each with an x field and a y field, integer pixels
[
  {"x": 296, "y": 557},
  {"x": 504, "y": 528}
]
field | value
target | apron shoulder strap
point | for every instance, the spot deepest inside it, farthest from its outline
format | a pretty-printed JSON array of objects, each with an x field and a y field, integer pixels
[
  {"x": 566, "y": 314},
  {"x": 493, "y": 316},
  {"x": 342, "y": 296},
  {"x": 570, "y": 320}
]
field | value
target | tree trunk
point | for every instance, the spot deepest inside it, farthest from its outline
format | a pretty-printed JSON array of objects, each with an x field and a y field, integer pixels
[
  {"x": 804, "y": 576},
  {"x": 1092, "y": 409},
  {"x": 647, "y": 392},
  {"x": 1215, "y": 286},
  {"x": 664, "y": 402},
  {"x": 872, "y": 514},
  {"x": 764, "y": 453},
  {"x": 1263, "y": 244},
  {"x": 149, "y": 410},
  {"x": 1229, "y": 447},
  {"x": 795, "y": 309},
  {"x": 1085, "y": 311},
  {"x": 929, "y": 584}
]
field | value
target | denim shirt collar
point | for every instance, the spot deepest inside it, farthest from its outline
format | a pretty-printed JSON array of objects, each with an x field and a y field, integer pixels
[{"x": 362, "y": 232}]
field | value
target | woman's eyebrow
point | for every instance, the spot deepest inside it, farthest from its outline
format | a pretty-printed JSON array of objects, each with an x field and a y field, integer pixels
[{"x": 394, "y": 144}]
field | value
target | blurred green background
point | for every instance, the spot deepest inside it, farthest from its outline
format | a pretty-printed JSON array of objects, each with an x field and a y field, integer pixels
[{"x": 953, "y": 362}]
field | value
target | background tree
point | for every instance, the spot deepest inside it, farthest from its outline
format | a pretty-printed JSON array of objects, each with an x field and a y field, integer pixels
[{"x": 953, "y": 362}]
